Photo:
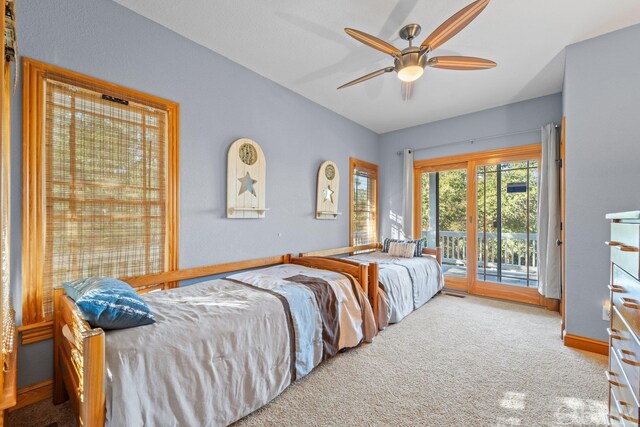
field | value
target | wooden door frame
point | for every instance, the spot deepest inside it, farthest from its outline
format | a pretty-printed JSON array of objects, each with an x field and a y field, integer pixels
[
  {"x": 563, "y": 204},
  {"x": 471, "y": 161}
]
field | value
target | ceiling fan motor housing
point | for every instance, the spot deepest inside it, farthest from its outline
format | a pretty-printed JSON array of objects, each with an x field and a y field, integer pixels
[{"x": 409, "y": 66}]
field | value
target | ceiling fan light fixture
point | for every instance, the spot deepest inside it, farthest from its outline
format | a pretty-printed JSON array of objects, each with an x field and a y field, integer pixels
[
  {"x": 410, "y": 73},
  {"x": 410, "y": 66}
]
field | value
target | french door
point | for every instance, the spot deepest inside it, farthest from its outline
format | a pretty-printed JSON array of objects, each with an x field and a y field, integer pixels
[
  {"x": 443, "y": 192},
  {"x": 481, "y": 210}
]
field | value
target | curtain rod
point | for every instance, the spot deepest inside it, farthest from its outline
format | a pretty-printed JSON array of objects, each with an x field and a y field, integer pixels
[{"x": 482, "y": 138}]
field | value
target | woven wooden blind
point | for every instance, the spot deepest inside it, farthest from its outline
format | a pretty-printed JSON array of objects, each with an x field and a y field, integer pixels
[
  {"x": 7, "y": 311},
  {"x": 364, "y": 221},
  {"x": 105, "y": 185}
]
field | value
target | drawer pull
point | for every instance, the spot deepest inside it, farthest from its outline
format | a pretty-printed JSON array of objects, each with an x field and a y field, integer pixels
[
  {"x": 614, "y": 334},
  {"x": 631, "y": 303},
  {"x": 625, "y": 248},
  {"x": 617, "y": 289},
  {"x": 624, "y": 357},
  {"x": 610, "y": 418},
  {"x": 613, "y": 243},
  {"x": 610, "y": 375},
  {"x": 621, "y": 405}
]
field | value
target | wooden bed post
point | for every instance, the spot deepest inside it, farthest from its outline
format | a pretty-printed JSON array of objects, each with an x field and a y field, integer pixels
[
  {"x": 79, "y": 363},
  {"x": 59, "y": 391},
  {"x": 437, "y": 252},
  {"x": 92, "y": 406},
  {"x": 373, "y": 287}
]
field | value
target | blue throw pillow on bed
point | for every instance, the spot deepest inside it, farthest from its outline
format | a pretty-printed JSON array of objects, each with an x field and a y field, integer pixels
[{"x": 109, "y": 303}]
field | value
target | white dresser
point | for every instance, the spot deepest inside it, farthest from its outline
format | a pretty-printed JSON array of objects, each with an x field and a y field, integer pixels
[{"x": 624, "y": 343}]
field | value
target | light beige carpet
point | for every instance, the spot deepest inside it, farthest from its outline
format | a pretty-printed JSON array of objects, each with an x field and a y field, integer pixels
[{"x": 453, "y": 362}]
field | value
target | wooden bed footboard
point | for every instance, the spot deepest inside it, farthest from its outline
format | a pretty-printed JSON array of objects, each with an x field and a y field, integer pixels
[
  {"x": 78, "y": 363},
  {"x": 437, "y": 252},
  {"x": 79, "y": 350},
  {"x": 373, "y": 267},
  {"x": 366, "y": 275}
]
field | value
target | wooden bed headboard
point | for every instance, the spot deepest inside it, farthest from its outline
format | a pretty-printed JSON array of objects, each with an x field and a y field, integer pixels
[
  {"x": 79, "y": 350},
  {"x": 437, "y": 252},
  {"x": 344, "y": 250}
]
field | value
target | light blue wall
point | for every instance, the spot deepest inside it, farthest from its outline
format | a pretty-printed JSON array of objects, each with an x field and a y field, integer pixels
[
  {"x": 602, "y": 109},
  {"x": 515, "y": 117},
  {"x": 220, "y": 101}
]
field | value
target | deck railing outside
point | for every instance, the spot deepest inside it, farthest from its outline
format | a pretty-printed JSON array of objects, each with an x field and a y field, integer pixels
[{"x": 514, "y": 256}]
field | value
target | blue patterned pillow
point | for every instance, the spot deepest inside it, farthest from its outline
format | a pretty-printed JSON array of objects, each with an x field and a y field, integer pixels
[
  {"x": 387, "y": 242},
  {"x": 419, "y": 243},
  {"x": 109, "y": 303}
]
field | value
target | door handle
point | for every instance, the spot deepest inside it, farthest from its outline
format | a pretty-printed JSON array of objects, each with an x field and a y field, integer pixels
[{"x": 558, "y": 242}]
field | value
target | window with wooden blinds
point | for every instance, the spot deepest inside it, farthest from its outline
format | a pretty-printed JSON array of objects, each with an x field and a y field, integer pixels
[
  {"x": 7, "y": 313},
  {"x": 103, "y": 170},
  {"x": 364, "y": 202}
]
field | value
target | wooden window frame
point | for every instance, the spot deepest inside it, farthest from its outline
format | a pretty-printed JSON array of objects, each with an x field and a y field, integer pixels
[
  {"x": 353, "y": 164},
  {"x": 35, "y": 326}
]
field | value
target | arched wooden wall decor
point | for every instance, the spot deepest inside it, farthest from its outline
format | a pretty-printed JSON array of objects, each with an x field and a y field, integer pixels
[
  {"x": 328, "y": 191},
  {"x": 246, "y": 173}
]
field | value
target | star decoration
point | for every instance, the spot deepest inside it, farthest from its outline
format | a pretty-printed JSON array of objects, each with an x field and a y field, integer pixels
[
  {"x": 328, "y": 194},
  {"x": 247, "y": 184}
]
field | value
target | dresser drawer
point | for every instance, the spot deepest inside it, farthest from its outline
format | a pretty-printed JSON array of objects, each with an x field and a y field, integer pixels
[
  {"x": 626, "y": 349},
  {"x": 625, "y": 241},
  {"x": 616, "y": 416},
  {"x": 625, "y": 296},
  {"x": 613, "y": 416},
  {"x": 627, "y": 412},
  {"x": 619, "y": 382}
]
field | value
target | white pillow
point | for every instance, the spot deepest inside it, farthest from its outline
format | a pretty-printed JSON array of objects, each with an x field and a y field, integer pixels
[{"x": 404, "y": 250}]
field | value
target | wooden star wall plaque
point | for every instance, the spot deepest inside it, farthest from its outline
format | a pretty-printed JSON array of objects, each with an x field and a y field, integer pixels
[
  {"x": 328, "y": 191},
  {"x": 246, "y": 174}
]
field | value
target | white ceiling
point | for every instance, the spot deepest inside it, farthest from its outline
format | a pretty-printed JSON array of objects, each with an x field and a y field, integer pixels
[{"x": 302, "y": 46}]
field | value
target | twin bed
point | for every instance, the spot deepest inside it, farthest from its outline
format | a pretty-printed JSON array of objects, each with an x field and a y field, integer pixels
[
  {"x": 219, "y": 349},
  {"x": 405, "y": 284},
  {"x": 223, "y": 348}
]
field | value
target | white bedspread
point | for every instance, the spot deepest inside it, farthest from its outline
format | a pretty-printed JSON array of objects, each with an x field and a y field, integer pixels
[{"x": 408, "y": 282}]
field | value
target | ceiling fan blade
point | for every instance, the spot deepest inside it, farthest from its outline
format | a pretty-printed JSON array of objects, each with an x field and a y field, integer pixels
[
  {"x": 460, "y": 63},
  {"x": 373, "y": 42},
  {"x": 367, "y": 77},
  {"x": 453, "y": 25}
]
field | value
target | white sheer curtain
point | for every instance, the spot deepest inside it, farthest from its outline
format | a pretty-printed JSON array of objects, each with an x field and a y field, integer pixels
[
  {"x": 407, "y": 193},
  {"x": 549, "y": 214}
]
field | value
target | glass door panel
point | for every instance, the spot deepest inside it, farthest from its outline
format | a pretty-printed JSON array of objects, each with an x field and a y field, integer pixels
[
  {"x": 507, "y": 197},
  {"x": 444, "y": 217}
]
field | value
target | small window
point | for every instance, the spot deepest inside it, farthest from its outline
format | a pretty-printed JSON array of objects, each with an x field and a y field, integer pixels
[
  {"x": 364, "y": 203},
  {"x": 100, "y": 183}
]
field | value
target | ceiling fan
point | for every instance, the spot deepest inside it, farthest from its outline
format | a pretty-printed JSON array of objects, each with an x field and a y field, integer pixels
[{"x": 409, "y": 63}]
